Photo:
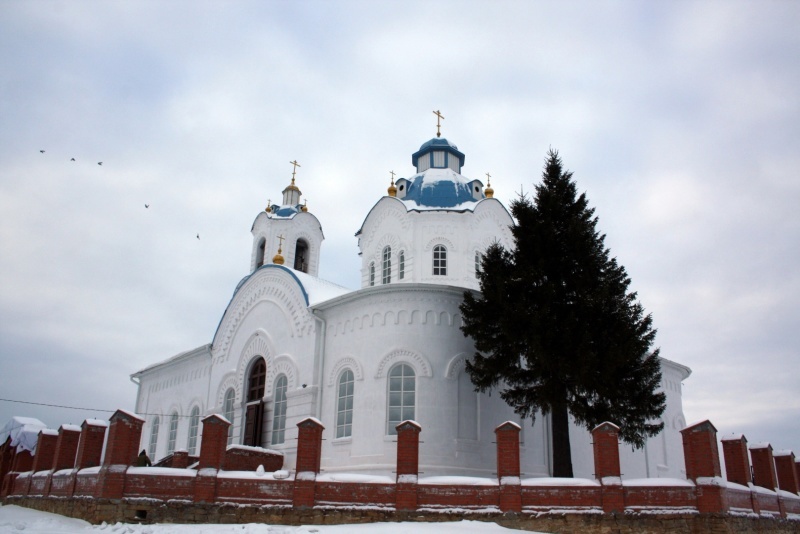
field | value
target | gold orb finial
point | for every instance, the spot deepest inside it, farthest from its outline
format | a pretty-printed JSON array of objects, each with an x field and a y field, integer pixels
[
  {"x": 277, "y": 259},
  {"x": 304, "y": 207},
  {"x": 392, "y": 189},
  {"x": 268, "y": 209},
  {"x": 489, "y": 192}
]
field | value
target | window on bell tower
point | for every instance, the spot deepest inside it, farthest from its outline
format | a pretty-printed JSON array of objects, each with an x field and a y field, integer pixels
[
  {"x": 301, "y": 256},
  {"x": 386, "y": 271},
  {"x": 439, "y": 260}
]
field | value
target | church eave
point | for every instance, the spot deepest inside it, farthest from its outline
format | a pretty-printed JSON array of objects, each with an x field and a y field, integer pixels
[
  {"x": 174, "y": 360},
  {"x": 364, "y": 292}
]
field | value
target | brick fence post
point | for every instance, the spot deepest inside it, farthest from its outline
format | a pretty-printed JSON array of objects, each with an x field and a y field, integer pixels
[
  {"x": 124, "y": 436},
  {"x": 508, "y": 472},
  {"x": 180, "y": 459},
  {"x": 407, "y": 465},
  {"x": 605, "y": 445},
  {"x": 45, "y": 453},
  {"x": 213, "y": 445},
  {"x": 23, "y": 461},
  {"x": 763, "y": 466},
  {"x": 7, "y": 453},
  {"x": 309, "y": 454},
  {"x": 701, "y": 455},
  {"x": 737, "y": 461},
  {"x": 785, "y": 466},
  {"x": 64, "y": 456},
  {"x": 90, "y": 447}
]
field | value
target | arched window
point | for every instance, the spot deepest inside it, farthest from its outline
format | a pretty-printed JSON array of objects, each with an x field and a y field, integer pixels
[
  {"x": 344, "y": 405},
  {"x": 301, "y": 256},
  {"x": 262, "y": 245},
  {"x": 173, "y": 432},
  {"x": 279, "y": 410},
  {"x": 386, "y": 273},
  {"x": 194, "y": 425},
  {"x": 439, "y": 260},
  {"x": 477, "y": 264},
  {"x": 227, "y": 411},
  {"x": 402, "y": 393},
  {"x": 372, "y": 273},
  {"x": 401, "y": 265},
  {"x": 154, "y": 438},
  {"x": 258, "y": 377},
  {"x": 254, "y": 412}
]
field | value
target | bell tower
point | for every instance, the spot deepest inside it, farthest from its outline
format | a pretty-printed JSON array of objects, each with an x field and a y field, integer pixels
[{"x": 287, "y": 231}]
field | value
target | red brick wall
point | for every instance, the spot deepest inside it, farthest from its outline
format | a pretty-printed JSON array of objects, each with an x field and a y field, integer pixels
[
  {"x": 158, "y": 486},
  {"x": 785, "y": 468},
  {"x": 327, "y": 493},
  {"x": 255, "y": 490},
  {"x": 562, "y": 496},
  {"x": 450, "y": 496},
  {"x": 124, "y": 435},
  {"x": 239, "y": 459}
]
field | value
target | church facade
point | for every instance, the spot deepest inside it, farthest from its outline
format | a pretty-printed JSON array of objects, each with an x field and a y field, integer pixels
[{"x": 291, "y": 345}]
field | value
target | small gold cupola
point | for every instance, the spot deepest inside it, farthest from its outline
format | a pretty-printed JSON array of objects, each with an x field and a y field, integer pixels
[
  {"x": 277, "y": 259},
  {"x": 268, "y": 209},
  {"x": 489, "y": 192},
  {"x": 392, "y": 189},
  {"x": 304, "y": 208}
]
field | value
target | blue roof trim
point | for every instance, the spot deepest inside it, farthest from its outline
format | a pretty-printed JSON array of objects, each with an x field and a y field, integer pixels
[{"x": 246, "y": 278}]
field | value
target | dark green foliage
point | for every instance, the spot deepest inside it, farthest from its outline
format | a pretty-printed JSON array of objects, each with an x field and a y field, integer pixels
[{"x": 555, "y": 327}]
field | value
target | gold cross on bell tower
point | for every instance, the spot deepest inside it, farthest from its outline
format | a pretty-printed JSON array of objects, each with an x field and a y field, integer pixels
[{"x": 439, "y": 118}]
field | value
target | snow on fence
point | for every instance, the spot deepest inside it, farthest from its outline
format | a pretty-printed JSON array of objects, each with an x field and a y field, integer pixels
[{"x": 67, "y": 464}]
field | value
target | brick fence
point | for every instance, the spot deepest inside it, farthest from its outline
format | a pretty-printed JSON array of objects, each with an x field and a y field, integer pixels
[{"x": 66, "y": 475}]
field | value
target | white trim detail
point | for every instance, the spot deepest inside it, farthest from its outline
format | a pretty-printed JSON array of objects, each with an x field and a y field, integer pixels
[{"x": 422, "y": 366}]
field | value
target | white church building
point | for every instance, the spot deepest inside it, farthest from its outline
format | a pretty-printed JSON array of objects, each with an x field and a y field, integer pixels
[{"x": 290, "y": 345}]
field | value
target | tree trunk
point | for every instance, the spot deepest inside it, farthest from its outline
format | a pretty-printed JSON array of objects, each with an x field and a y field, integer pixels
[{"x": 562, "y": 455}]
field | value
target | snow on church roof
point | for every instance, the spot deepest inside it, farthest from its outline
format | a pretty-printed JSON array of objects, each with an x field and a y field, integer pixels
[
  {"x": 439, "y": 188},
  {"x": 317, "y": 289}
]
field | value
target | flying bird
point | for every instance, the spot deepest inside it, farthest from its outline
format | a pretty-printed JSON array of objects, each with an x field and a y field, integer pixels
[
  {"x": 198, "y": 236},
  {"x": 42, "y": 151},
  {"x": 72, "y": 159},
  {"x": 99, "y": 162},
  {"x": 147, "y": 205}
]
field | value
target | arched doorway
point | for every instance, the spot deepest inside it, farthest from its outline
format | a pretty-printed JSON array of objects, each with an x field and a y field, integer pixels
[{"x": 254, "y": 414}]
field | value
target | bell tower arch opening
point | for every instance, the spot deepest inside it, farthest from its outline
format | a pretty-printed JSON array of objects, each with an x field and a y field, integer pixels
[{"x": 301, "y": 255}]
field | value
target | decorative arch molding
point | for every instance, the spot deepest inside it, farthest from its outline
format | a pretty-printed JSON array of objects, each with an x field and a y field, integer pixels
[
  {"x": 258, "y": 346},
  {"x": 440, "y": 241},
  {"x": 228, "y": 381},
  {"x": 392, "y": 210},
  {"x": 387, "y": 240},
  {"x": 456, "y": 366},
  {"x": 196, "y": 401},
  {"x": 342, "y": 364},
  {"x": 421, "y": 365},
  {"x": 265, "y": 285},
  {"x": 282, "y": 365}
]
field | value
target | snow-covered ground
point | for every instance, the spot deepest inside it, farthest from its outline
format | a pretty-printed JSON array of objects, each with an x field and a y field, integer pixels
[{"x": 15, "y": 519}]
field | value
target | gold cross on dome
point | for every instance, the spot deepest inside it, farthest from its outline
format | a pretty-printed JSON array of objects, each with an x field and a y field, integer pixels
[
  {"x": 392, "y": 173},
  {"x": 280, "y": 244},
  {"x": 488, "y": 179},
  {"x": 294, "y": 170},
  {"x": 439, "y": 118}
]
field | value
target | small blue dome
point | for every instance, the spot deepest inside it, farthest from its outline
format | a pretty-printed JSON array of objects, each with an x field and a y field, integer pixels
[{"x": 441, "y": 144}]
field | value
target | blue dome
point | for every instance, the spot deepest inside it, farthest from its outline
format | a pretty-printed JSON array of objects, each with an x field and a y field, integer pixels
[{"x": 441, "y": 188}]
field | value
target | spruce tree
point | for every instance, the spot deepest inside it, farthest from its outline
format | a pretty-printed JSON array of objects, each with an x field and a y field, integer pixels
[{"x": 555, "y": 327}]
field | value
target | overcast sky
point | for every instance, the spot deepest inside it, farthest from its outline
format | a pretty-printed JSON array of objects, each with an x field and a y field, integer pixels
[{"x": 680, "y": 121}]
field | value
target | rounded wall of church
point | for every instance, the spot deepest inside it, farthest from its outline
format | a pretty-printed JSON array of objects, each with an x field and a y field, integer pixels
[{"x": 416, "y": 326}]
